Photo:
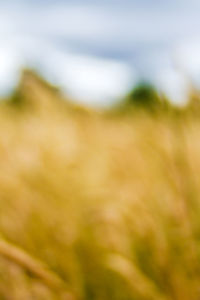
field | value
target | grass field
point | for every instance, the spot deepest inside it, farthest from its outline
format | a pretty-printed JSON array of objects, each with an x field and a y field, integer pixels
[{"x": 94, "y": 205}]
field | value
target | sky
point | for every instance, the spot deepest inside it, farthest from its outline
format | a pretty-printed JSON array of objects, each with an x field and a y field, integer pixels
[{"x": 97, "y": 50}]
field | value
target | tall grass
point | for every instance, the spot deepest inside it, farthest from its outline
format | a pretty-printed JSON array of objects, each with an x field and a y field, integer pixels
[{"x": 97, "y": 206}]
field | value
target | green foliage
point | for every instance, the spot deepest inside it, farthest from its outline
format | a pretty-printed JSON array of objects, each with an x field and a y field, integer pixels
[{"x": 144, "y": 95}]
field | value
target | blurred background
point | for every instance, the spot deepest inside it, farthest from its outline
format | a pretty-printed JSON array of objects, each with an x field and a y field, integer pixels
[
  {"x": 99, "y": 150},
  {"x": 96, "y": 50}
]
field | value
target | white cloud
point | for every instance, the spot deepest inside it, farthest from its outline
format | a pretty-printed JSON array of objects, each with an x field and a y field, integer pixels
[
  {"x": 187, "y": 56},
  {"x": 27, "y": 33},
  {"x": 10, "y": 65},
  {"x": 174, "y": 85},
  {"x": 92, "y": 80}
]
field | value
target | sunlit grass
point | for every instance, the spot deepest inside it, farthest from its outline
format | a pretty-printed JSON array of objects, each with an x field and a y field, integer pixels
[{"x": 108, "y": 205}]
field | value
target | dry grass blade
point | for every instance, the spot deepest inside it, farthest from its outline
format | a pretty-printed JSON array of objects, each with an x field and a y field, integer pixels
[
  {"x": 140, "y": 284},
  {"x": 34, "y": 266}
]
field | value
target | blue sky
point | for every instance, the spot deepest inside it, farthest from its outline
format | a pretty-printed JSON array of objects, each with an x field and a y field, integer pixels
[{"x": 116, "y": 42}]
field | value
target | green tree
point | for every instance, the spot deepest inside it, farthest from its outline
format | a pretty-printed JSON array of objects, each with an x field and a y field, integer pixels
[{"x": 144, "y": 95}]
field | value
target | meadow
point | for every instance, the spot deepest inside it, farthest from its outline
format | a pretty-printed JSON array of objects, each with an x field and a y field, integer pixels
[{"x": 97, "y": 205}]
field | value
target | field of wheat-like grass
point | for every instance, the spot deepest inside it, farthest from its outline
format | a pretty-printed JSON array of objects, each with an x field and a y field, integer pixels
[{"x": 96, "y": 205}]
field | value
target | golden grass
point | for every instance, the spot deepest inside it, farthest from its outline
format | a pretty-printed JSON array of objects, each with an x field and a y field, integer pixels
[{"x": 106, "y": 205}]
